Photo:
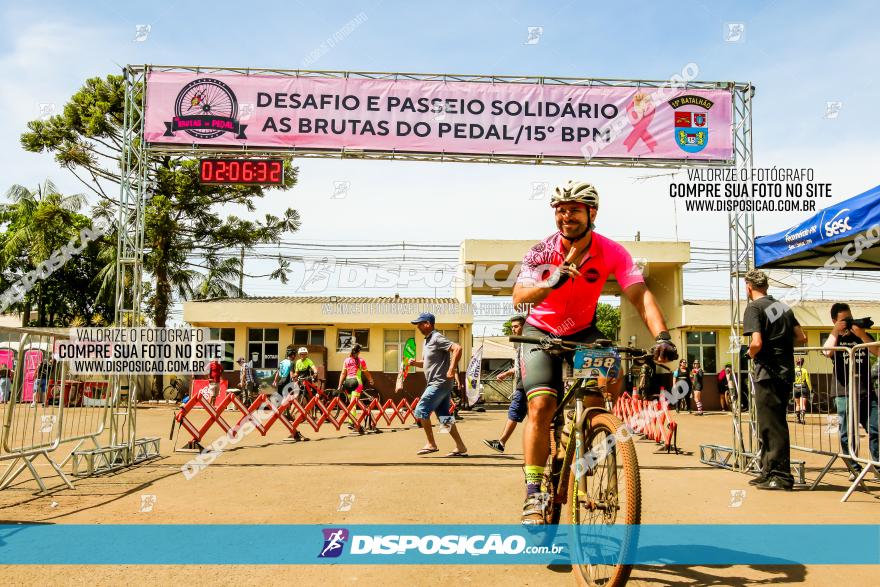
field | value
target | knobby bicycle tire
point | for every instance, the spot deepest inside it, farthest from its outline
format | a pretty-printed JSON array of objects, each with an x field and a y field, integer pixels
[
  {"x": 620, "y": 471},
  {"x": 552, "y": 473}
]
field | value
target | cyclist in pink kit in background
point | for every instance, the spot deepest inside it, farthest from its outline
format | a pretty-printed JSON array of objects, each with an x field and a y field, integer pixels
[{"x": 562, "y": 278}]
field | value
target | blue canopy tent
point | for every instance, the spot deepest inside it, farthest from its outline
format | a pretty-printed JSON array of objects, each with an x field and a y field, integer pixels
[{"x": 812, "y": 242}]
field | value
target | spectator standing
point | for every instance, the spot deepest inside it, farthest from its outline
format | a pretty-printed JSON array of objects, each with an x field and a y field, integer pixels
[
  {"x": 697, "y": 378},
  {"x": 774, "y": 332},
  {"x": 846, "y": 333},
  {"x": 439, "y": 360}
]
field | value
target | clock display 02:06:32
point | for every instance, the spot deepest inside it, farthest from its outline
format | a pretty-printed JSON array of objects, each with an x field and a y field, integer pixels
[{"x": 267, "y": 171}]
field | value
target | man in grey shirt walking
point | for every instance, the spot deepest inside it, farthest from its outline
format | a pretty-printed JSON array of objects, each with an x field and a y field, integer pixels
[{"x": 439, "y": 360}]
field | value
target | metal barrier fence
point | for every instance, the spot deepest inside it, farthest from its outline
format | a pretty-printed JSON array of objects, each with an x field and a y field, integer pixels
[
  {"x": 811, "y": 413},
  {"x": 862, "y": 412},
  {"x": 837, "y": 394},
  {"x": 36, "y": 403},
  {"x": 48, "y": 413}
]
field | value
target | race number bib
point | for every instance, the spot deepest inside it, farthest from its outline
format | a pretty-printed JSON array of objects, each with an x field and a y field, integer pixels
[{"x": 596, "y": 363}]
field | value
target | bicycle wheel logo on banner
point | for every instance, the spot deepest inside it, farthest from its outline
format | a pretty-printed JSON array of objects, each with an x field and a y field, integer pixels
[
  {"x": 691, "y": 124},
  {"x": 205, "y": 109}
]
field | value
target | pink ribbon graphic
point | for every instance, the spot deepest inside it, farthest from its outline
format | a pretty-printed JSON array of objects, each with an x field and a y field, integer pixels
[{"x": 640, "y": 128}]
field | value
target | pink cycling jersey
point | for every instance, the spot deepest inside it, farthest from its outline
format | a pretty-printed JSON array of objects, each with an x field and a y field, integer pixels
[
  {"x": 352, "y": 366},
  {"x": 572, "y": 307}
]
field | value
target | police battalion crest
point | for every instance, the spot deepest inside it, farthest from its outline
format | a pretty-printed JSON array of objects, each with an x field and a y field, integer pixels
[{"x": 691, "y": 123}]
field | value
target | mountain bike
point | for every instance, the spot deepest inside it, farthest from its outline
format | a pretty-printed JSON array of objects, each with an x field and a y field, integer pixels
[
  {"x": 592, "y": 473},
  {"x": 368, "y": 394},
  {"x": 175, "y": 390},
  {"x": 307, "y": 388}
]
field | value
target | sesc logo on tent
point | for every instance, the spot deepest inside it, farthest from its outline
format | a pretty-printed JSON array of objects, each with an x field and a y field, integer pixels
[
  {"x": 834, "y": 227},
  {"x": 472, "y": 545}
]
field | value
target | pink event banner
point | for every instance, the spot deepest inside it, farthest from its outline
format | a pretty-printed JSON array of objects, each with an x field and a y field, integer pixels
[{"x": 438, "y": 117}]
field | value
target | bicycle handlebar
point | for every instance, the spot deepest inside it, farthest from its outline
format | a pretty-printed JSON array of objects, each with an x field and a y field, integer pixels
[{"x": 549, "y": 342}]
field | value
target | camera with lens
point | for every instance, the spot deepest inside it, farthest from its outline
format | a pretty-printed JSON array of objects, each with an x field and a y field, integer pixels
[{"x": 864, "y": 323}]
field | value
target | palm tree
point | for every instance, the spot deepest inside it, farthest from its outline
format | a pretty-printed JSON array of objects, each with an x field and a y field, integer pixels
[
  {"x": 39, "y": 223},
  {"x": 219, "y": 281},
  {"x": 44, "y": 220}
]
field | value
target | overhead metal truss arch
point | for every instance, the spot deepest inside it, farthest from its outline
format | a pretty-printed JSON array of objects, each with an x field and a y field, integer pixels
[{"x": 137, "y": 153}]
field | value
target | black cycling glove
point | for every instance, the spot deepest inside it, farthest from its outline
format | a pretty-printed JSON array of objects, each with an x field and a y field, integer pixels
[{"x": 556, "y": 279}]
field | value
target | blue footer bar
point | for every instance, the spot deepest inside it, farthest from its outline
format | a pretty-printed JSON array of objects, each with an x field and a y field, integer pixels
[{"x": 255, "y": 544}]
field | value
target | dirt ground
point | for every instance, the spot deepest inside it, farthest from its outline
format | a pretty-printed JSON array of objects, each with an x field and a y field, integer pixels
[{"x": 265, "y": 480}]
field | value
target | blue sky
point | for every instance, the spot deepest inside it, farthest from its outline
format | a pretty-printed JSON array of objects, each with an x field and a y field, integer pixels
[{"x": 799, "y": 55}]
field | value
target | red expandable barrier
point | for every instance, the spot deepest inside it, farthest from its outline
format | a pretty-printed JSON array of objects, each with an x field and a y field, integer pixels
[
  {"x": 264, "y": 414},
  {"x": 202, "y": 386},
  {"x": 651, "y": 419}
]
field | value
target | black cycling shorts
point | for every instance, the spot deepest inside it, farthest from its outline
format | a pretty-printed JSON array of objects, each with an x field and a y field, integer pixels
[
  {"x": 800, "y": 390},
  {"x": 351, "y": 384},
  {"x": 541, "y": 372}
]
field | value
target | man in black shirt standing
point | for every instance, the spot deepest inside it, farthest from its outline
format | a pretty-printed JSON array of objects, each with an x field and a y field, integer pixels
[{"x": 774, "y": 333}]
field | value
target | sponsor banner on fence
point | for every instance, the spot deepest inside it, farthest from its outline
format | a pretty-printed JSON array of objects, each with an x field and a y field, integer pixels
[
  {"x": 417, "y": 116},
  {"x": 726, "y": 544}
]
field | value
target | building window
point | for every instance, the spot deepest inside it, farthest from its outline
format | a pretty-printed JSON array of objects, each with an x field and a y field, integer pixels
[
  {"x": 450, "y": 334},
  {"x": 394, "y": 341},
  {"x": 701, "y": 345},
  {"x": 227, "y": 335},
  {"x": 306, "y": 336},
  {"x": 263, "y": 347},
  {"x": 345, "y": 339}
]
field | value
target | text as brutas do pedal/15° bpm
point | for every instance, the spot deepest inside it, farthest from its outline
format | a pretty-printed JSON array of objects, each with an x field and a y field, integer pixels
[{"x": 139, "y": 351}]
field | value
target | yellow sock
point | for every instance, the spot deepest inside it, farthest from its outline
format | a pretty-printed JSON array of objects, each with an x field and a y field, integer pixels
[{"x": 534, "y": 477}]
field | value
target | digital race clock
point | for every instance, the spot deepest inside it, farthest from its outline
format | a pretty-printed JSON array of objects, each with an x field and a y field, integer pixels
[{"x": 262, "y": 171}]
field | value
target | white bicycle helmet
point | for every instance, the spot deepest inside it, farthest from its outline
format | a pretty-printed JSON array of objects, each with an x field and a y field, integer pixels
[
  {"x": 576, "y": 191},
  {"x": 303, "y": 349}
]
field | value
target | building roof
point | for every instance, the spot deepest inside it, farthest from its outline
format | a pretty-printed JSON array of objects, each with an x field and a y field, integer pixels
[
  {"x": 495, "y": 347},
  {"x": 330, "y": 300},
  {"x": 706, "y": 302},
  {"x": 827, "y": 302},
  {"x": 810, "y": 313}
]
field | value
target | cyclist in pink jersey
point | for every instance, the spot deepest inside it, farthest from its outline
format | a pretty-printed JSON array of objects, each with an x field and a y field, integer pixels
[
  {"x": 351, "y": 379},
  {"x": 561, "y": 278}
]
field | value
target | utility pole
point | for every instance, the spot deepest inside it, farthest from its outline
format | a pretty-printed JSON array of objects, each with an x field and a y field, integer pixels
[{"x": 241, "y": 274}]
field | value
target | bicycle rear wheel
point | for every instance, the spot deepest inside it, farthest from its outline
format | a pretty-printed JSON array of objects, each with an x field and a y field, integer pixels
[
  {"x": 170, "y": 393},
  {"x": 608, "y": 493},
  {"x": 552, "y": 471}
]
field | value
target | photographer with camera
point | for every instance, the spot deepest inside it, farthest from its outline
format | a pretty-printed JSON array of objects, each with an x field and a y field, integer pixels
[{"x": 849, "y": 332}]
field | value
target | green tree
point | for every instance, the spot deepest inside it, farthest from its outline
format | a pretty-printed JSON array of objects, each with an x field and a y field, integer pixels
[
  {"x": 36, "y": 224},
  {"x": 220, "y": 279},
  {"x": 507, "y": 328},
  {"x": 608, "y": 320},
  {"x": 186, "y": 226}
]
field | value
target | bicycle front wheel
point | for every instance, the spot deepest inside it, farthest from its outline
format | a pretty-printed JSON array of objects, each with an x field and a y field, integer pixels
[{"x": 604, "y": 492}]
